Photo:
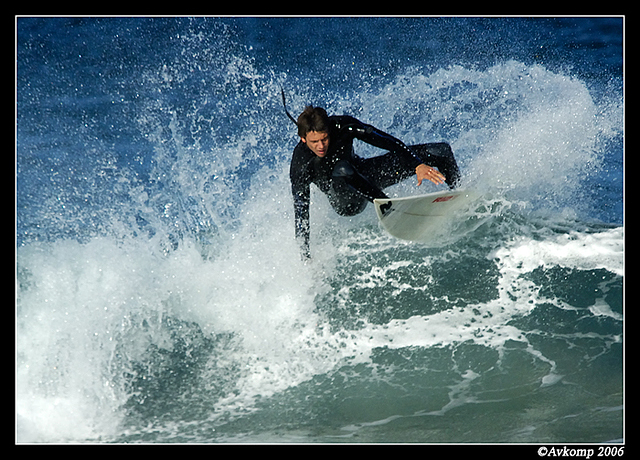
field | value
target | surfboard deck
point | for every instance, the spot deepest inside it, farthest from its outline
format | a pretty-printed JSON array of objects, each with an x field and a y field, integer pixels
[{"x": 419, "y": 218}]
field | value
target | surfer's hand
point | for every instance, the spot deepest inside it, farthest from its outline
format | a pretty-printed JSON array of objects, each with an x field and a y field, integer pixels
[{"x": 427, "y": 172}]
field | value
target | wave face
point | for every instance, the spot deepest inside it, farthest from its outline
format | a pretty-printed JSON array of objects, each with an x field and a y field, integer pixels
[{"x": 160, "y": 292}]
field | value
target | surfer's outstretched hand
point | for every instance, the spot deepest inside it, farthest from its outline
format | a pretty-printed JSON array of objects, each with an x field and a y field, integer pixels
[{"x": 427, "y": 172}]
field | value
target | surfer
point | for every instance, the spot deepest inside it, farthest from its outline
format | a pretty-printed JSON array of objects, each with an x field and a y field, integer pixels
[{"x": 324, "y": 156}]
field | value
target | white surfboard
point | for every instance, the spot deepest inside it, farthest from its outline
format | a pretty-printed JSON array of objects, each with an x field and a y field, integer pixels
[{"x": 420, "y": 218}]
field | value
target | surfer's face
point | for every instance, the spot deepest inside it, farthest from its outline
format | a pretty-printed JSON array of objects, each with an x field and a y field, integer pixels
[{"x": 318, "y": 142}]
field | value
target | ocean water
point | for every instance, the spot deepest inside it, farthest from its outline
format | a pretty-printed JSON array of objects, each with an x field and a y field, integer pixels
[{"x": 160, "y": 295}]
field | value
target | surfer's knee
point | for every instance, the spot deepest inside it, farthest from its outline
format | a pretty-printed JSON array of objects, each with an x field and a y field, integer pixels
[
  {"x": 441, "y": 149},
  {"x": 343, "y": 169},
  {"x": 437, "y": 149},
  {"x": 349, "y": 208},
  {"x": 448, "y": 165}
]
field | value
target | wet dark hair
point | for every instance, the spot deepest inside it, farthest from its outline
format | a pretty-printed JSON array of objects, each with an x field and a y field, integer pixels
[{"x": 313, "y": 119}]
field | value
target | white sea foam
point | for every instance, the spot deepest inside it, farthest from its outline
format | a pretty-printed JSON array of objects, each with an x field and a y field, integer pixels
[{"x": 584, "y": 251}]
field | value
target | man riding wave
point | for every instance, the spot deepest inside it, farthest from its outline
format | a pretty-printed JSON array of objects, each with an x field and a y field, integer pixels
[{"x": 324, "y": 156}]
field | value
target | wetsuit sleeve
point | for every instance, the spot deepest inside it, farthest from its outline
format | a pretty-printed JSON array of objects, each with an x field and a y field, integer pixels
[
  {"x": 300, "y": 189},
  {"x": 380, "y": 139},
  {"x": 301, "y": 212}
]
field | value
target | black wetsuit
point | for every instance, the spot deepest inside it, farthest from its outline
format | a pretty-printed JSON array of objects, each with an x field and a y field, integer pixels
[{"x": 350, "y": 181}]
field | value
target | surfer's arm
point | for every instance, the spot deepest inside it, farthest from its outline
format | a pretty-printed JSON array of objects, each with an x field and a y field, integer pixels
[
  {"x": 301, "y": 196},
  {"x": 380, "y": 139},
  {"x": 300, "y": 189}
]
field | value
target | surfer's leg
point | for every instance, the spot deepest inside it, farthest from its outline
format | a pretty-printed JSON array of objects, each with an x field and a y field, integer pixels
[
  {"x": 439, "y": 155},
  {"x": 350, "y": 190},
  {"x": 385, "y": 170}
]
